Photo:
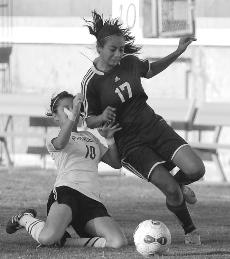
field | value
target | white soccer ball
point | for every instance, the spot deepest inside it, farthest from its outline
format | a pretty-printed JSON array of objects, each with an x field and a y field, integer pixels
[{"x": 152, "y": 237}]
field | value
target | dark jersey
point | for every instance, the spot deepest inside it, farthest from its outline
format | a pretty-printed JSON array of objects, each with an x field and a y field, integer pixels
[{"x": 121, "y": 88}]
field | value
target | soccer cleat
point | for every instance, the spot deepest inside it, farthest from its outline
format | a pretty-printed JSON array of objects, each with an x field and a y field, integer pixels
[
  {"x": 13, "y": 224},
  {"x": 189, "y": 194},
  {"x": 193, "y": 238}
]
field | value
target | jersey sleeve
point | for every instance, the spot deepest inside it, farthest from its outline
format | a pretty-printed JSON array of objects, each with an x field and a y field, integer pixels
[
  {"x": 143, "y": 66},
  {"x": 49, "y": 144},
  {"x": 91, "y": 105},
  {"x": 103, "y": 149}
]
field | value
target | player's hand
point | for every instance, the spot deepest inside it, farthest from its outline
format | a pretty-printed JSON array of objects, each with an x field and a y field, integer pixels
[
  {"x": 108, "y": 130},
  {"x": 72, "y": 113},
  {"x": 109, "y": 114},
  {"x": 78, "y": 99},
  {"x": 77, "y": 102},
  {"x": 63, "y": 113},
  {"x": 185, "y": 42}
]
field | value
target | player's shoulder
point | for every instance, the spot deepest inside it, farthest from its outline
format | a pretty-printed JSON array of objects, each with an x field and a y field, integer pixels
[
  {"x": 51, "y": 135},
  {"x": 129, "y": 58},
  {"x": 133, "y": 58},
  {"x": 49, "y": 142},
  {"x": 91, "y": 78}
]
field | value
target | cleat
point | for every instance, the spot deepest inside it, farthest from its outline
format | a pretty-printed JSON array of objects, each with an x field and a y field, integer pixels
[
  {"x": 189, "y": 194},
  {"x": 193, "y": 238},
  {"x": 13, "y": 224}
]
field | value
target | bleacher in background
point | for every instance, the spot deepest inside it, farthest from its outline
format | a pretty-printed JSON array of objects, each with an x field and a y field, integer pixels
[{"x": 52, "y": 51}]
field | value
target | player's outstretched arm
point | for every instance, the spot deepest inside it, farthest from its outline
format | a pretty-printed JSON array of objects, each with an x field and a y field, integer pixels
[
  {"x": 111, "y": 157},
  {"x": 163, "y": 63}
]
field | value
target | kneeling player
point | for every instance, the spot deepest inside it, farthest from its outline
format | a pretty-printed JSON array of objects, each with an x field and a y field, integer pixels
[{"x": 75, "y": 198}]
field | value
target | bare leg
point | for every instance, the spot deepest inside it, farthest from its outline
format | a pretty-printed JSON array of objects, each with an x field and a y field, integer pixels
[
  {"x": 45, "y": 233},
  {"x": 104, "y": 230},
  {"x": 109, "y": 229},
  {"x": 191, "y": 166},
  {"x": 59, "y": 217},
  {"x": 162, "y": 179}
]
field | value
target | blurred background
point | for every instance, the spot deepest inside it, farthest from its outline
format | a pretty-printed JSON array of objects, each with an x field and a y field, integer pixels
[{"x": 45, "y": 48}]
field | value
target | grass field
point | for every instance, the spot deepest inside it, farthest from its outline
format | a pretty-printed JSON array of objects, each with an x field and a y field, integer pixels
[{"x": 130, "y": 201}]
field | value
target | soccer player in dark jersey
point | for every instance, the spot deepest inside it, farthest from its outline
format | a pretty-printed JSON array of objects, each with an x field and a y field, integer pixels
[{"x": 148, "y": 146}]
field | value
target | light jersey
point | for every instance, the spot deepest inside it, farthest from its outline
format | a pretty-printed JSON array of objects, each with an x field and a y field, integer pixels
[
  {"x": 121, "y": 88},
  {"x": 77, "y": 163}
]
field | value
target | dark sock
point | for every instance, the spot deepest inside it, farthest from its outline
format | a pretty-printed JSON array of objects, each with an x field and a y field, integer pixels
[
  {"x": 182, "y": 178},
  {"x": 183, "y": 216}
]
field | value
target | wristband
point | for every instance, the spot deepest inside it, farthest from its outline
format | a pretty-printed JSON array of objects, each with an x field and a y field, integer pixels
[
  {"x": 110, "y": 141},
  {"x": 70, "y": 115}
]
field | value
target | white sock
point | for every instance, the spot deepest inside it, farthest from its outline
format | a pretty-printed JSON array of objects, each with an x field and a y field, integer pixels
[
  {"x": 86, "y": 242},
  {"x": 32, "y": 225}
]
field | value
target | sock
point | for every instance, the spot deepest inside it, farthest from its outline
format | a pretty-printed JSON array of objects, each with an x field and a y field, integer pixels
[
  {"x": 182, "y": 178},
  {"x": 32, "y": 225},
  {"x": 183, "y": 216},
  {"x": 98, "y": 242}
]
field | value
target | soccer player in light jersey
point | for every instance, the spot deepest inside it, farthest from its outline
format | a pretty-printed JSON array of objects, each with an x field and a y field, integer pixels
[
  {"x": 148, "y": 146},
  {"x": 75, "y": 198}
]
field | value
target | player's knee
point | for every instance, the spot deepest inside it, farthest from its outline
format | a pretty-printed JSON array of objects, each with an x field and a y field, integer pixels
[
  {"x": 201, "y": 171},
  {"x": 197, "y": 171},
  {"x": 117, "y": 242},
  {"x": 174, "y": 192}
]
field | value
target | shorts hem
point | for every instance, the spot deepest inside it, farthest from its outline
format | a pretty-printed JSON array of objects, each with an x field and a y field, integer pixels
[
  {"x": 152, "y": 168},
  {"x": 131, "y": 168},
  {"x": 173, "y": 155}
]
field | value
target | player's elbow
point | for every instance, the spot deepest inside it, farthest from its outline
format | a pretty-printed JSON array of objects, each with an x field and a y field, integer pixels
[
  {"x": 60, "y": 145},
  {"x": 115, "y": 164},
  {"x": 90, "y": 126},
  {"x": 90, "y": 123}
]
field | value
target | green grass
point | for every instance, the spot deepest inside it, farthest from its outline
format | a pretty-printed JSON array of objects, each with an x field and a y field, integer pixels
[{"x": 130, "y": 201}]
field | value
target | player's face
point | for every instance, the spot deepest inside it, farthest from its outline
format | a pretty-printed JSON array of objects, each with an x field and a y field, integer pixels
[
  {"x": 65, "y": 103},
  {"x": 112, "y": 51},
  {"x": 62, "y": 104}
]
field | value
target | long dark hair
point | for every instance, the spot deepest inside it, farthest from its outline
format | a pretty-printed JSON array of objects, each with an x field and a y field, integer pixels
[
  {"x": 102, "y": 28},
  {"x": 55, "y": 101}
]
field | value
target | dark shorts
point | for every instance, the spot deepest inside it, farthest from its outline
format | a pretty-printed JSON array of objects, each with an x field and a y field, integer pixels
[
  {"x": 83, "y": 208},
  {"x": 161, "y": 150}
]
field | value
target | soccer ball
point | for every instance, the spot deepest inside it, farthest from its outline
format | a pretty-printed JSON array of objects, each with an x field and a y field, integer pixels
[{"x": 152, "y": 237}]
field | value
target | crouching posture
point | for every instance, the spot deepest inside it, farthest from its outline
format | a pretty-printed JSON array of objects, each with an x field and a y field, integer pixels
[{"x": 75, "y": 198}]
